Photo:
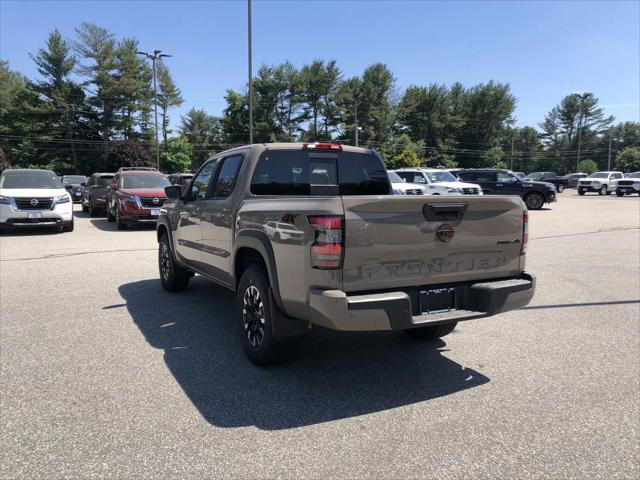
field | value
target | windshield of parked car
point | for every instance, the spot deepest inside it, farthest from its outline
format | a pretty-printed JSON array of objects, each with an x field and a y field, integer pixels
[
  {"x": 74, "y": 179},
  {"x": 29, "y": 180},
  {"x": 395, "y": 178},
  {"x": 437, "y": 177},
  {"x": 105, "y": 181},
  {"x": 145, "y": 181},
  {"x": 599, "y": 175}
]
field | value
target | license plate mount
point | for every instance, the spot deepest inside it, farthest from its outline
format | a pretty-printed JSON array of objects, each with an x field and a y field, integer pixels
[
  {"x": 34, "y": 215},
  {"x": 155, "y": 212},
  {"x": 437, "y": 300}
]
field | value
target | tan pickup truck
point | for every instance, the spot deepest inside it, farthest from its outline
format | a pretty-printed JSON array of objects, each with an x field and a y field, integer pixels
[{"x": 309, "y": 234}]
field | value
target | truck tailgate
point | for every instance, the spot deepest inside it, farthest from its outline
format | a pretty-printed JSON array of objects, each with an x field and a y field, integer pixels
[{"x": 391, "y": 241}]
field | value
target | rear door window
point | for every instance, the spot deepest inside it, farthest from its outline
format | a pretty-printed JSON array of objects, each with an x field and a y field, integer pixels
[
  {"x": 301, "y": 172},
  {"x": 227, "y": 176}
]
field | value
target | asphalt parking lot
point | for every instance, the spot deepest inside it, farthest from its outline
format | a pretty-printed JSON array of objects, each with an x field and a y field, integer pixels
[{"x": 103, "y": 374}]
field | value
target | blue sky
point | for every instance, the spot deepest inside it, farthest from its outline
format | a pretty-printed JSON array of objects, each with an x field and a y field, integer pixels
[{"x": 544, "y": 50}]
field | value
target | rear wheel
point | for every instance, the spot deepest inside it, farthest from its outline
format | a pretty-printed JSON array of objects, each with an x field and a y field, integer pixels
[
  {"x": 255, "y": 320},
  {"x": 432, "y": 332},
  {"x": 534, "y": 201},
  {"x": 173, "y": 277}
]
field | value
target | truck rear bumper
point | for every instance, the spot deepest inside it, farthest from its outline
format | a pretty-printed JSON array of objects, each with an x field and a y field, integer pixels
[{"x": 395, "y": 310}]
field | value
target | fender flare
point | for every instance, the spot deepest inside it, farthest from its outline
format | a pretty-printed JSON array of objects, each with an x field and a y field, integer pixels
[{"x": 257, "y": 240}]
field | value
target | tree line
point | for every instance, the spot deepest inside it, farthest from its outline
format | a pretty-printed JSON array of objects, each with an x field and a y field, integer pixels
[{"x": 90, "y": 109}]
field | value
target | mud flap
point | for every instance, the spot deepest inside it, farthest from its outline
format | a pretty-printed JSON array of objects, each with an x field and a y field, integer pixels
[{"x": 282, "y": 326}]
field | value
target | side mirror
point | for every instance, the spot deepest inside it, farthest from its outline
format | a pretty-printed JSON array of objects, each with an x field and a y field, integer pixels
[
  {"x": 174, "y": 192},
  {"x": 68, "y": 187},
  {"x": 83, "y": 184}
]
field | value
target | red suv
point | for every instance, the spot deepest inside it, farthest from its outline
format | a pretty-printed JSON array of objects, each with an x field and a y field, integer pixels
[{"x": 135, "y": 196}]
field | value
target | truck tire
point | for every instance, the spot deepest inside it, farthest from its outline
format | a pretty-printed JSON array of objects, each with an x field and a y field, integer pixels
[
  {"x": 173, "y": 277},
  {"x": 431, "y": 332},
  {"x": 603, "y": 190},
  {"x": 620, "y": 194},
  {"x": 255, "y": 320},
  {"x": 534, "y": 201},
  {"x": 120, "y": 224},
  {"x": 92, "y": 209},
  {"x": 68, "y": 226},
  {"x": 84, "y": 207},
  {"x": 560, "y": 188},
  {"x": 581, "y": 191}
]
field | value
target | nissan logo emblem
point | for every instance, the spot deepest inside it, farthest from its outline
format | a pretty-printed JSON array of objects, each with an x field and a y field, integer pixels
[
  {"x": 156, "y": 201},
  {"x": 34, "y": 202},
  {"x": 445, "y": 233}
]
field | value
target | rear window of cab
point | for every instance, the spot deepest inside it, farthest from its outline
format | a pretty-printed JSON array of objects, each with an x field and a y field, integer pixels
[{"x": 301, "y": 172}]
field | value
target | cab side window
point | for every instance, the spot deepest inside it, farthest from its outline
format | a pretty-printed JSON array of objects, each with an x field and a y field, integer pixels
[
  {"x": 505, "y": 178},
  {"x": 616, "y": 176},
  {"x": 227, "y": 177},
  {"x": 201, "y": 182}
]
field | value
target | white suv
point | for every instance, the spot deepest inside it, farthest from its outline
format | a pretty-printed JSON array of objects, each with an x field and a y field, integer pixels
[
  {"x": 602, "y": 182},
  {"x": 30, "y": 198},
  {"x": 439, "y": 178}
]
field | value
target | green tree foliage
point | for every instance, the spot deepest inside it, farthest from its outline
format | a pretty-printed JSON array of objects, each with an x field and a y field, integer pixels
[
  {"x": 560, "y": 129},
  {"x": 628, "y": 160},
  {"x": 4, "y": 163},
  {"x": 177, "y": 156},
  {"x": 587, "y": 166},
  {"x": 60, "y": 106},
  {"x": 204, "y": 134},
  {"x": 169, "y": 96},
  {"x": 406, "y": 158},
  {"x": 401, "y": 143},
  {"x": 127, "y": 153}
]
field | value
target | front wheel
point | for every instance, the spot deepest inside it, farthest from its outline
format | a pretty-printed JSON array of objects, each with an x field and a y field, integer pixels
[
  {"x": 580, "y": 191},
  {"x": 534, "y": 201},
  {"x": 432, "y": 332},
  {"x": 120, "y": 224},
  {"x": 84, "y": 207},
  {"x": 560, "y": 188},
  {"x": 603, "y": 190},
  {"x": 110, "y": 217},
  {"x": 68, "y": 226},
  {"x": 173, "y": 277},
  {"x": 255, "y": 320},
  {"x": 92, "y": 209},
  {"x": 619, "y": 194}
]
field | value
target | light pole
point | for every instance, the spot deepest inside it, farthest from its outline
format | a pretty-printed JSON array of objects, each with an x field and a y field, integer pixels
[
  {"x": 250, "y": 73},
  {"x": 156, "y": 56},
  {"x": 581, "y": 96}
]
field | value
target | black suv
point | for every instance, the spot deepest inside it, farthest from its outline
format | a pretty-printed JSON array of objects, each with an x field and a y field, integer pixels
[
  {"x": 505, "y": 182},
  {"x": 94, "y": 194}
]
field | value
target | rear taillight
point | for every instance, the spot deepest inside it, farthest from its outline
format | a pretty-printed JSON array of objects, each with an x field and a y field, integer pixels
[
  {"x": 322, "y": 146},
  {"x": 525, "y": 232},
  {"x": 328, "y": 246}
]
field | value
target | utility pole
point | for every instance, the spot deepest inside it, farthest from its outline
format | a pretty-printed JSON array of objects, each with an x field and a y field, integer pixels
[
  {"x": 581, "y": 96},
  {"x": 156, "y": 56},
  {"x": 355, "y": 114},
  {"x": 609, "y": 157},
  {"x": 250, "y": 74},
  {"x": 511, "y": 166}
]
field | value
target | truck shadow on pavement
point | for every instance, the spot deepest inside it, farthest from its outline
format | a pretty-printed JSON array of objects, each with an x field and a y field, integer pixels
[{"x": 335, "y": 376}]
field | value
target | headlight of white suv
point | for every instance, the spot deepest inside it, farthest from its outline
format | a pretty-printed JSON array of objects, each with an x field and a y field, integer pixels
[
  {"x": 595, "y": 184},
  {"x": 4, "y": 200},
  {"x": 397, "y": 191},
  {"x": 62, "y": 199},
  {"x": 454, "y": 190}
]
